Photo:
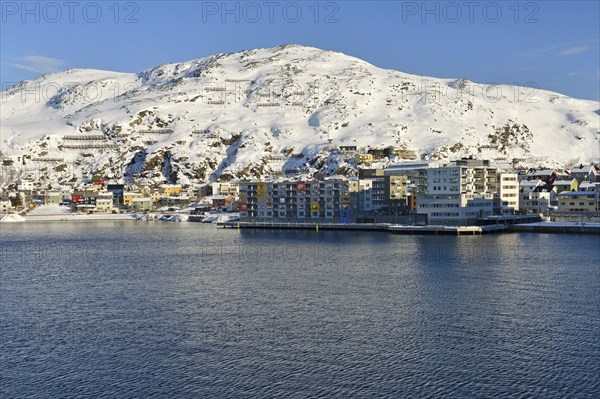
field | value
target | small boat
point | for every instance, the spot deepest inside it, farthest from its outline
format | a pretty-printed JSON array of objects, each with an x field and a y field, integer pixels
[{"x": 170, "y": 218}]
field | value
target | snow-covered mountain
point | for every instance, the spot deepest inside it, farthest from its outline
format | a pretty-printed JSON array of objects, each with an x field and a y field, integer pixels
[{"x": 259, "y": 112}]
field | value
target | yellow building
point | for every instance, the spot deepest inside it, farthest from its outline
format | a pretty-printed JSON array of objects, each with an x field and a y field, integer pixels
[
  {"x": 170, "y": 190},
  {"x": 52, "y": 198},
  {"x": 364, "y": 158},
  {"x": 405, "y": 154},
  {"x": 129, "y": 196}
]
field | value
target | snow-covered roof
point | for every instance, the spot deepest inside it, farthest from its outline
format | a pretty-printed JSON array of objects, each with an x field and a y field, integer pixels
[
  {"x": 336, "y": 177},
  {"x": 583, "y": 169},
  {"x": 576, "y": 193},
  {"x": 541, "y": 172},
  {"x": 563, "y": 182},
  {"x": 531, "y": 182},
  {"x": 587, "y": 185}
]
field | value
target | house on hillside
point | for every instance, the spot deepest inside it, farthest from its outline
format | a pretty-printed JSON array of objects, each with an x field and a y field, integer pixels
[
  {"x": 565, "y": 185},
  {"x": 142, "y": 204},
  {"x": 548, "y": 176},
  {"x": 585, "y": 173}
]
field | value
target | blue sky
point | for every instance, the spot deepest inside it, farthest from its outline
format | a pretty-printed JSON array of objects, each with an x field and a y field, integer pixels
[{"x": 552, "y": 44}]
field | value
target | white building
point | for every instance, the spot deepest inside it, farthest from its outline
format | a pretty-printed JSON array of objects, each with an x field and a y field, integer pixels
[
  {"x": 25, "y": 185},
  {"x": 5, "y": 206},
  {"x": 509, "y": 192},
  {"x": 526, "y": 187},
  {"x": 458, "y": 195},
  {"x": 142, "y": 204},
  {"x": 226, "y": 188},
  {"x": 104, "y": 202},
  {"x": 541, "y": 201}
]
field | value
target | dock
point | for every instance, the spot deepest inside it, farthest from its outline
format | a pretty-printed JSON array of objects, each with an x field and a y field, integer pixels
[
  {"x": 558, "y": 228},
  {"x": 382, "y": 227}
]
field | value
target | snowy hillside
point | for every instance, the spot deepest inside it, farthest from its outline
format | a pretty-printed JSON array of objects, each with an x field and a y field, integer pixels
[{"x": 260, "y": 112}]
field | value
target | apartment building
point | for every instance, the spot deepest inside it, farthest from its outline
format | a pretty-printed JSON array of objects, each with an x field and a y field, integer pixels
[
  {"x": 389, "y": 192},
  {"x": 579, "y": 201},
  {"x": 508, "y": 192},
  {"x": 296, "y": 201},
  {"x": 104, "y": 202},
  {"x": 415, "y": 172},
  {"x": 361, "y": 195},
  {"x": 459, "y": 193}
]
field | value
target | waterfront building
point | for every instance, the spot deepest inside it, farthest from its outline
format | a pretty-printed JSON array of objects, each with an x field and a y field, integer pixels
[
  {"x": 508, "y": 192},
  {"x": 540, "y": 200},
  {"x": 296, "y": 201},
  {"x": 104, "y": 202},
  {"x": 142, "y": 204},
  {"x": 388, "y": 192},
  {"x": 526, "y": 187},
  {"x": 129, "y": 196},
  {"x": 579, "y": 201},
  {"x": 459, "y": 193}
]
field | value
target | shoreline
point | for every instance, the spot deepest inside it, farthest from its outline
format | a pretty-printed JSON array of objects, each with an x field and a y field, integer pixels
[
  {"x": 78, "y": 217},
  {"x": 538, "y": 228}
]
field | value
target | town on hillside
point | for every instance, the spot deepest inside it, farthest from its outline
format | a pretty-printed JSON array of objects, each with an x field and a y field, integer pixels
[{"x": 462, "y": 192}]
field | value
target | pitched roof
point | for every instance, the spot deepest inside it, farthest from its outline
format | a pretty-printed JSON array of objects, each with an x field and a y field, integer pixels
[
  {"x": 563, "y": 182},
  {"x": 531, "y": 183},
  {"x": 576, "y": 193},
  {"x": 583, "y": 169},
  {"x": 541, "y": 172}
]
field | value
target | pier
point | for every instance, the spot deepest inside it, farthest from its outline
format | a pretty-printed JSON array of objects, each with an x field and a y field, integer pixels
[
  {"x": 558, "y": 228},
  {"x": 382, "y": 227}
]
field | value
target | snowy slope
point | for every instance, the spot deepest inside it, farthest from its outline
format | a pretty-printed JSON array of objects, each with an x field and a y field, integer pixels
[{"x": 258, "y": 112}]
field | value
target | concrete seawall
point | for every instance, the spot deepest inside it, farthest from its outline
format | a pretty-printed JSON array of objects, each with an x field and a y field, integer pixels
[
  {"x": 383, "y": 227},
  {"x": 558, "y": 228}
]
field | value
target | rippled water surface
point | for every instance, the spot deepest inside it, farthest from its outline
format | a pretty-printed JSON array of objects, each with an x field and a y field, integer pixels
[{"x": 151, "y": 310}]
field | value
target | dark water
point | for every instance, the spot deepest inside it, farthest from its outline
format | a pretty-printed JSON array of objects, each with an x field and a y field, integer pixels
[{"x": 135, "y": 310}]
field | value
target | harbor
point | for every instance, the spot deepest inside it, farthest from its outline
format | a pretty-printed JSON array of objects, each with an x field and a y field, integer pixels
[
  {"x": 540, "y": 227},
  {"x": 380, "y": 227}
]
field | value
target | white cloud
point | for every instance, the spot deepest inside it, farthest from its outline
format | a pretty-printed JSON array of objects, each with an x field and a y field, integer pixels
[
  {"x": 38, "y": 64},
  {"x": 563, "y": 49},
  {"x": 574, "y": 50}
]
